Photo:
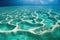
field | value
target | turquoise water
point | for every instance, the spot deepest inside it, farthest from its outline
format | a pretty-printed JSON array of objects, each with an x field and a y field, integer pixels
[{"x": 29, "y": 23}]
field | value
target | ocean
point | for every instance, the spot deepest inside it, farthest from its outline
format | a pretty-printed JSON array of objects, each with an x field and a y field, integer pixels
[{"x": 30, "y": 23}]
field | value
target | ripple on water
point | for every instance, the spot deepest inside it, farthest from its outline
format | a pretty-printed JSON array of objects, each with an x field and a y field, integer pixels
[
  {"x": 48, "y": 23},
  {"x": 53, "y": 14},
  {"x": 2, "y": 17},
  {"x": 29, "y": 18},
  {"x": 5, "y": 19},
  {"x": 53, "y": 19},
  {"x": 58, "y": 17},
  {"x": 14, "y": 21},
  {"x": 56, "y": 32},
  {"x": 6, "y": 27},
  {"x": 3, "y": 36},
  {"x": 39, "y": 20},
  {"x": 26, "y": 25},
  {"x": 22, "y": 36}
]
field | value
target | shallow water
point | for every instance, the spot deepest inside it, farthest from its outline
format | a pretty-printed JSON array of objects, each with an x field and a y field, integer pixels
[{"x": 29, "y": 23}]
